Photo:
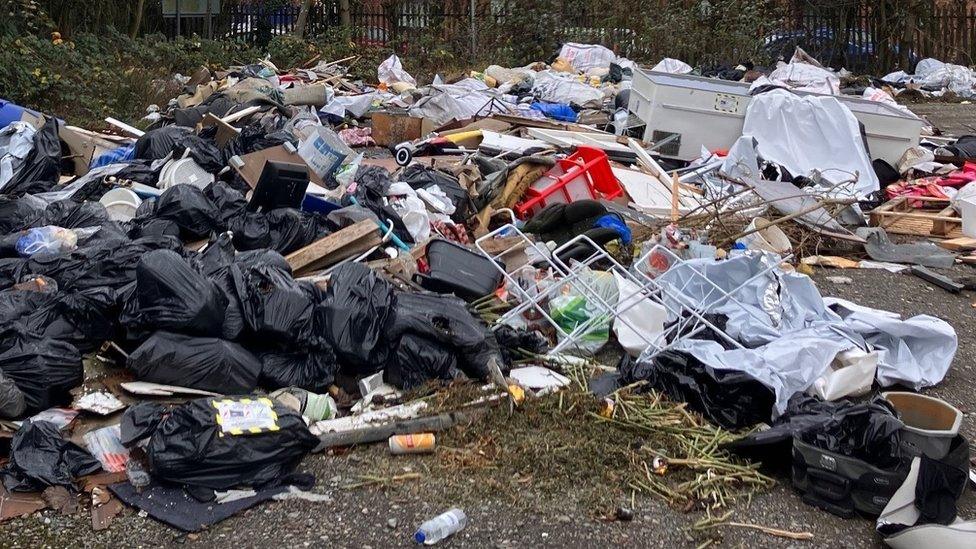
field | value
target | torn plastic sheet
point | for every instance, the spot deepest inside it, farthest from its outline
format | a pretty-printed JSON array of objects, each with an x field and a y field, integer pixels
[
  {"x": 460, "y": 101},
  {"x": 811, "y": 134},
  {"x": 783, "y": 308},
  {"x": 16, "y": 143},
  {"x": 916, "y": 352},
  {"x": 391, "y": 71},
  {"x": 787, "y": 365},
  {"x": 554, "y": 88}
]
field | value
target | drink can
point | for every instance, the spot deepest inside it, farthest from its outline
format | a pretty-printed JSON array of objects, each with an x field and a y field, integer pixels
[{"x": 419, "y": 443}]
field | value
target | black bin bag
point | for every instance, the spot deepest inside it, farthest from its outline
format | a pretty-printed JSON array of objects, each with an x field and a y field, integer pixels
[
  {"x": 419, "y": 360},
  {"x": 43, "y": 369},
  {"x": 204, "y": 363},
  {"x": 273, "y": 305},
  {"x": 199, "y": 444},
  {"x": 355, "y": 315},
  {"x": 41, "y": 457},
  {"x": 171, "y": 295},
  {"x": 445, "y": 328},
  {"x": 313, "y": 370}
]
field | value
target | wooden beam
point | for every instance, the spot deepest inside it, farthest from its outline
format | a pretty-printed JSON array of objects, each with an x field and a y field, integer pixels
[{"x": 331, "y": 246}]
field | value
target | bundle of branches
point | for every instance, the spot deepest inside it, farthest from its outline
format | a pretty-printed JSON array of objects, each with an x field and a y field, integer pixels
[{"x": 718, "y": 479}]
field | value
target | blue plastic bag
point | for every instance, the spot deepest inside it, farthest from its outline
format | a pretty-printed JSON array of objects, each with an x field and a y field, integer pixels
[
  {"x": 122, "y": 154},
  {"x": 556, "y": 111}
]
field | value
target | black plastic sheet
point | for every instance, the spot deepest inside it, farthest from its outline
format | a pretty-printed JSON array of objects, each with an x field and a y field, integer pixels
[
  {"x": 158, "y": 143},
  {"x": 41, "y": 169},
  {"x": 40, "y": 457},
  {"x": 730, "y": 399},
  {"x": 864, "y": 430},
  {"x": 188, "y": 447},
  {"x": 205, "y": 363},
  {"x": 869, "y": 431}
]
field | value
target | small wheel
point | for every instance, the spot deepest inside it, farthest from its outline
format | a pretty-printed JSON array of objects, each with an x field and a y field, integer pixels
[{"x": 403, "y": 156}]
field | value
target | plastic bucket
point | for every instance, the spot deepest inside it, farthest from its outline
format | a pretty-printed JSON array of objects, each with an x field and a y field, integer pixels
[
  {"x": 121, "y": 204},
  {"x": 769, "y": 238}
]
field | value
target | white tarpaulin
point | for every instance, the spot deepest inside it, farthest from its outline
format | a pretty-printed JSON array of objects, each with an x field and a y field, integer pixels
[
  {"x": 803, "y": 77},
  {"x": 793, "y": 335},
  {"x": 584, "y": 57},
  {"x": 459, "y": 101},
  {"x": 808, "y": 134}
]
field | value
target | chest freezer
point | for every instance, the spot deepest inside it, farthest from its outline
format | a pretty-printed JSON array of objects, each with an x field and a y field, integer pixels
[{"x": 710, "y": 112}]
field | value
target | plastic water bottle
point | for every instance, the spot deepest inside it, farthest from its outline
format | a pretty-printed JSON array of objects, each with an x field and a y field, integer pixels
[{"x": 441, "y": 526}]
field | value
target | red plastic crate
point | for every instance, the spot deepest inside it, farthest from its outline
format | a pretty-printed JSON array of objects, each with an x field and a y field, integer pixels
[{"x": 585, "y": 174}]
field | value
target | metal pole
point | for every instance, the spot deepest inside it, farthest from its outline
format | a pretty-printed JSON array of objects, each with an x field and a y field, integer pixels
[
  {"x": 474, "y": 30},
  {"x": 209, "y": 19},
  {"x": 178, "y": 17}
]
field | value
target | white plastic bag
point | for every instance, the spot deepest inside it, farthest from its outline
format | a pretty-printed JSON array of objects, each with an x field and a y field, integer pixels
[
  {"x": 851, "y": 374},
  {"x": 391, "y": 71},
  {"x": 587, "y": 56},
  {"x": 672, "y": 66},
  {"x": 639, "y": 321},
  {"x": 573, "y": 309}
]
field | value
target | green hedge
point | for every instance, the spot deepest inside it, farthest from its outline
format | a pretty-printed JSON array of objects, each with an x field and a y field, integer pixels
[{"x": 109, "y": 74}]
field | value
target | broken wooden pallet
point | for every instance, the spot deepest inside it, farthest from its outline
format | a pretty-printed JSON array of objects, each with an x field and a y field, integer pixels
[{"x": 918, "y": 216}]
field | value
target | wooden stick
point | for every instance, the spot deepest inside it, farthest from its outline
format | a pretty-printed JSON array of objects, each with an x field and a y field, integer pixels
[{"x": 675, "y": 189}]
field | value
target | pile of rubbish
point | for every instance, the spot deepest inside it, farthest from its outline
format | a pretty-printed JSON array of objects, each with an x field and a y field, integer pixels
[{"x": 280, "y": 256}]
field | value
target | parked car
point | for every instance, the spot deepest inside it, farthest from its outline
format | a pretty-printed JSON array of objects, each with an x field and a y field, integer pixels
[{"x": 856, "y": 52}]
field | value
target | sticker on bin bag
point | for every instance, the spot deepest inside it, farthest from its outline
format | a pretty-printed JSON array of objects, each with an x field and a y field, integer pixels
[{"x": 246, "y": 416}]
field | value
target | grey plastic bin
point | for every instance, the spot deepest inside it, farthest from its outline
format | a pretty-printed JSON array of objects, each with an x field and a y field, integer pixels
[{"x": 930, "y": 423}]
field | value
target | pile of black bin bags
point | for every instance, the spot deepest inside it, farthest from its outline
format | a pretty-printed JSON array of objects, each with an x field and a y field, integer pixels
[{"x": 230, "y": 318}]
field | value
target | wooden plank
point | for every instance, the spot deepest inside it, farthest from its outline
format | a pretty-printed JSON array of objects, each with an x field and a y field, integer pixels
[
  {"x": 960, "y": 244},
  {"x": 314, "y": 252}
]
